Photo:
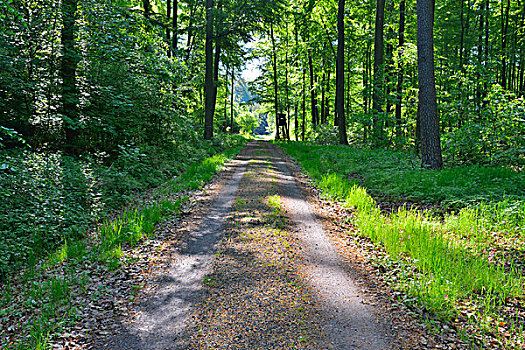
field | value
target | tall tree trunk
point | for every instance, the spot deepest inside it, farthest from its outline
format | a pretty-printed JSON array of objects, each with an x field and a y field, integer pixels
[
  {"x": 323, "y": 81},
  {"x": 505, "y": 28},
  {"x": 209, "y": 75},
  {"x": 231, "y": 100},
  {"x": 147, "y": 8},
  {"x": 216, "y": 62},
  {"x": 378, "y": 69},
  {"x": 168, "y": 29},
  {"x": 400, "y": 73},
  {"x": 174, "y": 26},
  {"x": 313, "y": 100},
  {"x": 191, "y": 36},
  {"x": 340, "y": 72},
  {"x": 462, "y": 36},
  {"x": 275, "y": 82},
  {"x": 480, "y": 56},
  {"x": 303, "y": 126},
  {"x": 327, "y": 102},
  {"x": 286, "y": 88},
  {"x": 389, "y": 68},
  {"x": 296, "y": 121},
  {"x": 68, "y": 71},
  {"x": 429, "y": 119},
  {"x": 486, "y": 60}
]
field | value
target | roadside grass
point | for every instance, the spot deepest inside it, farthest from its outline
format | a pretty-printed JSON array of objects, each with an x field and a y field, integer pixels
[
  {"x": 451, "y": 262},
  {"x": 42, "y": 296}
]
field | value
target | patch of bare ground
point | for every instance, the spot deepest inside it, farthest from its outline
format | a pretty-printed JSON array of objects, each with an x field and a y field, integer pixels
[{"x": 412, "y": 327}]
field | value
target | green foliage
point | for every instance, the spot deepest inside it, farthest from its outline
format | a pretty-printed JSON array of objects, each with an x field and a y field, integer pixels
[
  {"x": 53, "y": 198},
  {"x": 248, "y": 121}
]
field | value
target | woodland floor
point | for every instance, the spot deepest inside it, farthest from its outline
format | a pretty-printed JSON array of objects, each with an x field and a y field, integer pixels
[{"x": 258, "y": 261}]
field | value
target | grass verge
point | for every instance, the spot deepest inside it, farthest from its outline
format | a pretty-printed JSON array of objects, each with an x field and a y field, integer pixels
[
  {"x": 39, "y": 303},
  {"x": 452, "y": 266}
]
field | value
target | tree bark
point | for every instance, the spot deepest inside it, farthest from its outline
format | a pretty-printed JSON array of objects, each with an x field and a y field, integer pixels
[
  {"x": 340, "y": 73},
  {"x": 400, "y": 73},
  {"x": 313, "y": 100},
  {"x": 378, "y": 68},
  {"x": 175, "y": 26},
  {"x": 429, "y": 120},
  {"x": 231, "y": 101},
  {"x": 505, "y": 28},
  {"x": 275, "y": 87},
  {"x": 168, "y": 29},
  {"x": 147, "y": 8},
  {"x": 209, "y": 75},
  {"x": 68, "y": 71},
  {"x": 303, "y": 125}
]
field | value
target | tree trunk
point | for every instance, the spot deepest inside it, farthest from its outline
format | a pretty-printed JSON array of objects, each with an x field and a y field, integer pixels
[
  {"x": 68, "y": 71},
  {"x": 340, "y": 72},
  {"x": 323, "y": 81},
  {"x": 303, "y": 126},
  {"x": 208, "y": 78},
  {"x": 378, "y": 69},
  {"x": 429, "y": 120},
  {"x": 216, "y": 62},
  {"x": 147, "y": 8},
  {"x": 327, "y": 102},
  {"x": 231, "y": 101},
  {"x": 175, "y": 26},
  {"x": 275, "y": 82},
  {"x": 399, "y": 104},
  {"x": 505, "y": 28},
  {"x": 168, "y": 29},
  {"x": 389, "y": 69},
  {"x": 315, "y": 117},
  {"x": 286, "y": 88}
]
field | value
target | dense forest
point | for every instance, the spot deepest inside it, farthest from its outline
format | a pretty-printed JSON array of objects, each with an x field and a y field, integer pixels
[{"x": 103, "y": 101}]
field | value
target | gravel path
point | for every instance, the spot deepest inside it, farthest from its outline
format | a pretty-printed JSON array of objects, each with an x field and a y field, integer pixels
[{"x": 257, "y": 273}]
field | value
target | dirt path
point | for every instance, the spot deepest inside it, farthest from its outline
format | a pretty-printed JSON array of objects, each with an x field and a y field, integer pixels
[{"x": 257, "y": 273}]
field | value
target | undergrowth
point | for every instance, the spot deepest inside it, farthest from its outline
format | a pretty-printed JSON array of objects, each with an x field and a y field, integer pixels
[
  {"x": 50, "y": 197},
  {"x": 451, "y": 261}
]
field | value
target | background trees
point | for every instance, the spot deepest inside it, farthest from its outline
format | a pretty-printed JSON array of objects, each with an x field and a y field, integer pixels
[{"x": 479, "y": 63}]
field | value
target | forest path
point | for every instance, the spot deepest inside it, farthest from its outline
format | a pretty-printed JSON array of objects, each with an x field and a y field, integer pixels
[{"x": 257, "y": 273}]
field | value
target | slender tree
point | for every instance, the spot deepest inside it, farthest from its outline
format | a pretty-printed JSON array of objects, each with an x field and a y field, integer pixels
[
  {"x": 429, "y": 120},
  {"x": 68, "y": 71},
  {"x": 168, "y": 29},
  {"x": 231, "y": 100},
  {"x": 340, "y": 73},
  {"x": 209, "y": 75},
  {"x": 400, "y": 72},
  {"x": 378, "y": 68},
  {"x": 175, "y": 25},
  {"x": 275, "y": 82}
]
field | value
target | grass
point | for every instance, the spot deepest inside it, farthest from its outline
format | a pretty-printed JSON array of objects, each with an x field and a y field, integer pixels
[
  {"x": 51, "y": 294},
  {"x": 447, "y": 258}
]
